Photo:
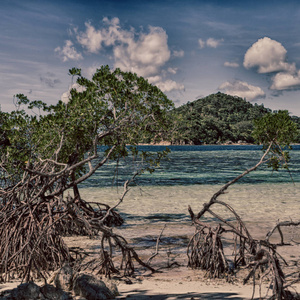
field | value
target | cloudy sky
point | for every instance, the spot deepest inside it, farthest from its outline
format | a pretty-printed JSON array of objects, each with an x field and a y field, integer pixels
[{"x": 189, "y": 49}]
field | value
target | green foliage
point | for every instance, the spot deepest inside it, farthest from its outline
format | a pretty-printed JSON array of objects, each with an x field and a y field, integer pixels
[
  {"x": 217, "y": 118},
  {"x": 276, "y": 132},
  {"x": 75, "y": 71},
  {"x": 275, "y": 127},
  {"x": 114, "y": 109}
]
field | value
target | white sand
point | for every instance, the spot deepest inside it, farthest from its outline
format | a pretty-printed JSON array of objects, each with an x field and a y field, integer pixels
[{"x": 258, "y": 207}]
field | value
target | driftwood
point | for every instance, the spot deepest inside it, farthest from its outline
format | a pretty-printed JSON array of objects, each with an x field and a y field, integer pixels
[
  {"x": 157, "y": 245},
  {"x": 278, "y": 227}
]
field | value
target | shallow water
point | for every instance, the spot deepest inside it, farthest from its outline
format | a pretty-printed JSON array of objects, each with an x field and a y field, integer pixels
[
  {"x": 191, "y": 175},
  {"x": 156, "y": 204},
  {"x": 201, "y": 165}
]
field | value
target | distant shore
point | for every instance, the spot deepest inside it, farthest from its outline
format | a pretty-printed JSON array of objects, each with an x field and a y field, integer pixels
[{"x": 164, "y": 143}]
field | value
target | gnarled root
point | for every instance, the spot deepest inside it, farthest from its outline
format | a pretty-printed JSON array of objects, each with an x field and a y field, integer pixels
[{"x": 205, "y": 251}]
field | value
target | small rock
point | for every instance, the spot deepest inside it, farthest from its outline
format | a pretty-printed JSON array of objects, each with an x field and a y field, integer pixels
[
  {"x": 31, "y": 291},
  {"x": 54, "y": 293},
  {"x": 91, "y": 288},
  {"x": 27, "y": 291},
  {"x": 112, "y": 286},
  {"x": 64, "y": 277}
]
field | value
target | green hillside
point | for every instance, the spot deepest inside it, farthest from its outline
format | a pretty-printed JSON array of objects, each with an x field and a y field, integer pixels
[{"x": 217, "y": 118}]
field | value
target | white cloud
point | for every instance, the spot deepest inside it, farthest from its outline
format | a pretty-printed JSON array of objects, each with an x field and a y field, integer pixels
[
  {"x": 201, "y": 43},
  {"x": 169, "y": 85},
  {"x": 210, "y": 42},
  {"x": 231, "y": 64},
  {"x": 154, "y": 79},
  {"x": 141, "y": 53},
  {"x": 179, "y": 53},
  {"x": 144, "y": 56},
  {"x": 68, "y": 52},
  {"x": 165, "y": 85},
  {"x": 172, "y": 70},
  {"x": 144, "y": 53},
  {"x": 91, "y": 39},
  {"x": 242, "y": 89},
  {"x": 65, "y": 97},
  {"x": 267, "y": 56},
  {"x": 213, "y": 43},
  {"x": 286, "y": 81},
  {"x": 90, "y": 71}
]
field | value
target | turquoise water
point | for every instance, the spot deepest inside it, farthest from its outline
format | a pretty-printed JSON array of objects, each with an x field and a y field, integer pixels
[
  {"x": 190, "y": 176},
  {"x": 189, "y": 165}
]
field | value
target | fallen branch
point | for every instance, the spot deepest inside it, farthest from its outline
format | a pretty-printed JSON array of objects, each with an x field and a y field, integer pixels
[
  {"x": 157, "y": 245},
  {"x": 278, "y": 227}
]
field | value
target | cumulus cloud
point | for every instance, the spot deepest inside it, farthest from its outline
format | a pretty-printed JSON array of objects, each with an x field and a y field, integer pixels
[
  {"x": 144, "y": 56},
  {"x": 154, "y": 79},
  {"x": 231, "y": 64},
  {"x": 95, "y": 39},
  {"x": 68, "y": 52},
  {"x": 143, "y": 52},
  {"x": 286, "y": 81},
  {"x": 267, "y": 56},
  {"x": 169, "y": 85},
  {"x": 270, "y": 56},
  {"x": 242, "y": 89},
  {"x": 210, "y": 42},
  {"x": 91, "y": 39}
]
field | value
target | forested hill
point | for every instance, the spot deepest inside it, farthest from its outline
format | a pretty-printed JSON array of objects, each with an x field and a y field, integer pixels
[{"x": 217, "y": 118}]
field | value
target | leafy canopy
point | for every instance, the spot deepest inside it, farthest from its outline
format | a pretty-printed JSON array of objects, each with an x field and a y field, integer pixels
[
  {"x": 114, "y": 109},
  {"x": 217, "y": 118},
  {"x": 276, "y": 132}
]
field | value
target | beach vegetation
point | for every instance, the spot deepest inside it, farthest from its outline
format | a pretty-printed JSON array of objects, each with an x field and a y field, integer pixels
[
  {"x": 275, "y": 132},
  {"x": 47, "y": 151}
]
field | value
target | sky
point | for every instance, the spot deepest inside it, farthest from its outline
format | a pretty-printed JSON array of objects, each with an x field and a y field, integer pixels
[{"x": 189, "y": 49}]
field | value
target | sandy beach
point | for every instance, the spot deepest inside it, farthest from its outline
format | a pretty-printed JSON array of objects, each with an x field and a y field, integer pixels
[
  {"x": 181, "y": 282},
  {"x": 174, "y": 279}
]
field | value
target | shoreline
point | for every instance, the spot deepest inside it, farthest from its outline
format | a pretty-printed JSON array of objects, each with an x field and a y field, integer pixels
[
  {"x": 189, "y": 145},
  {"x": 175, "y": 280},
  {"x": 223, "y": 144},
  {"x": 179, "y": 281}
]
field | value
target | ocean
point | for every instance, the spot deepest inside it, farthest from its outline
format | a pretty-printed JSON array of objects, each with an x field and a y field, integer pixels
[{"x": 190, "y": 176}]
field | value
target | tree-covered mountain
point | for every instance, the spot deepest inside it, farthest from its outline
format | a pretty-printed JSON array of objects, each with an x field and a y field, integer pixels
[{"x": 217, "y": 118}]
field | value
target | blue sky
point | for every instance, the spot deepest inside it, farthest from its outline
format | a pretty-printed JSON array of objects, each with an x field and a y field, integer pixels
[{"x": 189, "y": 49}]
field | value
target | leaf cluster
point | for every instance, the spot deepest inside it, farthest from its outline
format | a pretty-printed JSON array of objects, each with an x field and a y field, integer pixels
[{"x": 276, "y": 132}]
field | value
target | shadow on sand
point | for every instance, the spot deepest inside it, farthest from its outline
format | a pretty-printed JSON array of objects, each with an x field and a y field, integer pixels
[{"x": 145, "y": 295}]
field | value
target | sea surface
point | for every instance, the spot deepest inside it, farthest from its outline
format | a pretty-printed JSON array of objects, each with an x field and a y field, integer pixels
[{"x": 190, "y": 176}]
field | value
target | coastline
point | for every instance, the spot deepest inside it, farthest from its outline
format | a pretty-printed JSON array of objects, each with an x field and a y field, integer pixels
[
  {"x": 259, "y": 205},
  {"x": 165, "y": 143},
  {"x": 174, "y": 280}
]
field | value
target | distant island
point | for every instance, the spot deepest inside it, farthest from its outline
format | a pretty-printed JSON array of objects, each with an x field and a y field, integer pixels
[{"x": 217, "y": 119}]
